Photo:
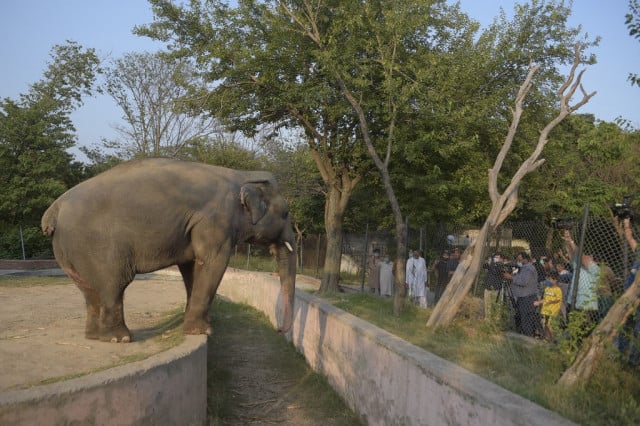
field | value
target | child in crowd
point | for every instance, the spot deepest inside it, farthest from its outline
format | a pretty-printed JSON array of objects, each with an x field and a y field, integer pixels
[{"x": 551, "y": 303}]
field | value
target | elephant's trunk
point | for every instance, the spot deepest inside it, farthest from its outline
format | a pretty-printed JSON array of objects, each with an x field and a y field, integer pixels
[{"x": 286, "y": 258}]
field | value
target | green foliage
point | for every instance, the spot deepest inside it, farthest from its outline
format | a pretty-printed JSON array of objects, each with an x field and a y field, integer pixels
[
  {"x": 100, "y": 160},
  {"x": 587, "y": 162},
  {"x": 36, "y": 132},
  {"x": 459, "y": 97},
  {"x": 569, "y": 340},
  {"x": 10, "y": 281},
  {"x": 223, "y": 153},
  {"x": 632, "y": 21},
  {"x": 36, "y": 245},
  {"x": 253, "y": 260},
  {"x": 300, "y": 183}
]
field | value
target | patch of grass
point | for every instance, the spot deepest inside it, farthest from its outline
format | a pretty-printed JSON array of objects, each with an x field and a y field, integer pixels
[
  {"x": 253, "y": 263},
  {"x": 14, "y": 281},
  {"x": 528, "y": 368}
]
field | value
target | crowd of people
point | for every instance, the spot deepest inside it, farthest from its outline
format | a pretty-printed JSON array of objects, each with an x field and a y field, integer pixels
[
  {"x": 380, "y": 275},
  {"x": 539, "y": 291},
  {"x": 542, "y": 291}
]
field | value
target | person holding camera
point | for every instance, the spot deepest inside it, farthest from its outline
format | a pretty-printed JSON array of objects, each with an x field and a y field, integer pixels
[
  {"x": 630, "y": 333},
  {"x": 525, "y": 291},
  {"x": 493, "y": 284}
]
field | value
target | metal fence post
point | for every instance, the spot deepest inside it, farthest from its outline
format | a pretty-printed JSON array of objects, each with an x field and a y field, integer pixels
[
  {"x": 578, "y": 260},
  {"x": 364, "y": 256},
  {"x": 22, "y": 244},
  {"x": 318, "y": 255}
]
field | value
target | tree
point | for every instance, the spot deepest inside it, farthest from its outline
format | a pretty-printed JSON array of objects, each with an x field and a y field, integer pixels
[
  {"x": 632, "y": 21},
  {"x": 390, "y": 62},
  {"x": 149, "y": 88},
  {"x": 301, "y": 184},
  {"x": 588, "y": 162},
  {"x": 503, "y": 203},
  {"x": 36, "y": 132},
  {"x": 267, "y": 73},
  {"x": 464, "y": 112},
  {"x": 222, "y": 152}
]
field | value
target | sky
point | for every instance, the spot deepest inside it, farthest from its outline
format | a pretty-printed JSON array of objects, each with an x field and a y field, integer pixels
[{"x": 29, "y": 28}]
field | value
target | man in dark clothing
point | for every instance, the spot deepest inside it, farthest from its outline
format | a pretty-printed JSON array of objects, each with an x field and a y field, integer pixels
[
  {"x": 525, "y": 291},
  {"x": 452, "y": 263},
  {"x": 441, "y": 269}
]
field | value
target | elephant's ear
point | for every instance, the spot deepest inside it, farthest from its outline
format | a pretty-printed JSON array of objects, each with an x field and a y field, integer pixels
[{"x": 252, "y": 199}]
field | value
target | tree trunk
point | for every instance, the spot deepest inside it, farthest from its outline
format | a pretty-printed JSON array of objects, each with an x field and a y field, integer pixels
[
  {"x": 461, "y": 282},
  {"x": 336, "y": 203},
  {"x": 593, "y": 347},
  {"x": 400, "y": 272}
]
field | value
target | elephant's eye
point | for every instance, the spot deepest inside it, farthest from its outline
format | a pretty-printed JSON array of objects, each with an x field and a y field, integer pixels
[{"x": 285, "y": 214}]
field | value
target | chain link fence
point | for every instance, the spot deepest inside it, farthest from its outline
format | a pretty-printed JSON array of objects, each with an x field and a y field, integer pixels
[{"x": 588, "y": 288}]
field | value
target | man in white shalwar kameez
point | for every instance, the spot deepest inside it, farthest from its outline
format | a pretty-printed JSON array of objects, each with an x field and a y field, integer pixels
[
  {"x": 416, "y": 278},
  {"x": 386, "y": 277}
]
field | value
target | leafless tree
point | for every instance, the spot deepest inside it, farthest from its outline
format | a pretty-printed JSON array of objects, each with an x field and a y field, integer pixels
[
  {"x": 504, "y": 203},
  {"x": 150, "y": 88}
]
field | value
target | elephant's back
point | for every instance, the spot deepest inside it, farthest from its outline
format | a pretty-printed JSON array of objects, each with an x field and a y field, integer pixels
[
  {"x": 153, "y": 192},
  {"x": 152, "y": 182},
  {"x": 142, "y": 194}
]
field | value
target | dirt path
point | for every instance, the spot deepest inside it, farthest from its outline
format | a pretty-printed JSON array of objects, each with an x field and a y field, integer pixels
[{"x": 257, "y": 377}]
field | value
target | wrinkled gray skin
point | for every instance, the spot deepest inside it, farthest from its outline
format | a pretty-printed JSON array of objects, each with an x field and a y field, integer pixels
[{"x": 146, "y": 215}]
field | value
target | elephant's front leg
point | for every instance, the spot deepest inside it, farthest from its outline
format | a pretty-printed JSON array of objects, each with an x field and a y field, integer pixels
[
  {"x": 92, "y": 327},
  {"x": 112, "y": 326},
  {"x": 187, "y": 271},
  {"x": 206, "y": 279}
]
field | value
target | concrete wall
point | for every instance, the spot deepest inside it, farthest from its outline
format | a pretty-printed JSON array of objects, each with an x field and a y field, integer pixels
[
  {"x": 27, "y": 264},
  {"x": 167, "y": 388},
  {"x": 383, "y": 378}
]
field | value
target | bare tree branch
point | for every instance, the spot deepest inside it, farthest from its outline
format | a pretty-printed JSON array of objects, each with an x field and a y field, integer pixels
[{"x": 503, "y": 204}]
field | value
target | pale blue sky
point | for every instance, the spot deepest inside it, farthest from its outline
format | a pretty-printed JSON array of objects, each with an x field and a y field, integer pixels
[{"x": 29, "y": 28}]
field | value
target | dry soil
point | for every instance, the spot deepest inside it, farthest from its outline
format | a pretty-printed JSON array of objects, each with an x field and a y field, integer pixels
[{"x": 42, "y": 330}]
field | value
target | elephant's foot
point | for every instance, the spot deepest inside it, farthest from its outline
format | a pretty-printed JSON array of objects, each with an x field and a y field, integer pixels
[
  {"x": 197, "y": 327},
  {"x": 116, "y": 335}
]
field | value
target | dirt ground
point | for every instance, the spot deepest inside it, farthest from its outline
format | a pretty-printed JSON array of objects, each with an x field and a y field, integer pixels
[{"x": 42, "y": 330}]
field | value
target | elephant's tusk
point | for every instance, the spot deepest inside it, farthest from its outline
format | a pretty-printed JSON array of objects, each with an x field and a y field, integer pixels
[{"x": 286, "y": 243}]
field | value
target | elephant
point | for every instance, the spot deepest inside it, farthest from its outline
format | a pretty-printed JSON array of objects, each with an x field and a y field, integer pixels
[{"x": 145, "y": 215}]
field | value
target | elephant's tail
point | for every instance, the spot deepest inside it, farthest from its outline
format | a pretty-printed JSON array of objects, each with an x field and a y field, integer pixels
[{"x": 50, "y": 219}]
